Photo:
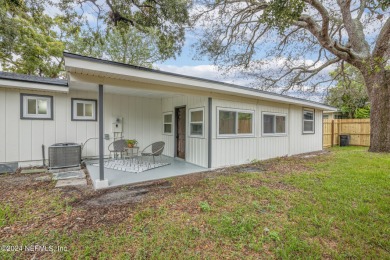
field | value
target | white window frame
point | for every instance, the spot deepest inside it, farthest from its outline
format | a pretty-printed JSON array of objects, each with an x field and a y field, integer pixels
[
  {"x": 76, "y": 101},
  {"x": 195, "y": 122},
  {"x": 24, "y": 107},
  {"x": 236, "y": 135},
  {"x": 306, "y": 120},
  {"x": 275, "y": 115},
  {"x": 164, "y": 123}
]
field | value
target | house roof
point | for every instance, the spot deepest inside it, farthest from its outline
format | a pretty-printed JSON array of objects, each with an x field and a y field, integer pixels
[
  {"x": 226, "y": 86},
  {"x": 31, "y": 78}
]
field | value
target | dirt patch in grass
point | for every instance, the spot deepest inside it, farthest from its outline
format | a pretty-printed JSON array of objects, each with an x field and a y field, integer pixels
[
  {"x": 297, "y": 163},
  {"x": 83, "y": 208},
  {"x": 216, "y": 214}
]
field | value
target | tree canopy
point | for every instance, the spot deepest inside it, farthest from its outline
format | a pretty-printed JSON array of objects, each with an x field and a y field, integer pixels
[
  {"x": 293, "y": 44},
  {"x": 28, "y": 42},
  {"x": 166, "y": 20},
  {"x": 350, "y": 94},
  {"x": 34, "y": 33}
]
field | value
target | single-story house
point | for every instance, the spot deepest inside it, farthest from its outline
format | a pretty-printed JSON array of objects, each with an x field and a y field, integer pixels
[{"x": 204, "y": 122}]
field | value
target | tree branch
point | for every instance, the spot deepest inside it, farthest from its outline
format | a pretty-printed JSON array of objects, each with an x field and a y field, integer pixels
[
  {"x": 382, "y": 47},
  {"x": 325, "y": 18},
  {"x": 354, "y": 29}
]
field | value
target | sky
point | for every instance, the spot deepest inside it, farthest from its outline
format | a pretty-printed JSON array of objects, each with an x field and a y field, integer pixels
[{"x": 186, "y": 64}]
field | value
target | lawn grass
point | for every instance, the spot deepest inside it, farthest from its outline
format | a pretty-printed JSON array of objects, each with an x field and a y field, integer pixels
[{"x": 334, "y": 206}]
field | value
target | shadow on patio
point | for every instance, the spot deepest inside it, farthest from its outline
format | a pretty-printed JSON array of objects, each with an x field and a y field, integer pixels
[{"x": 119, "y": 176}]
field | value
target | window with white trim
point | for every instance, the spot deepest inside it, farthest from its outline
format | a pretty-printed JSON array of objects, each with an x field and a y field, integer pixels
[
  {"x": 308, "y": 121},
  {"x": 196, "y": 122},
  {"x": 274, "y": 124},
  {"x": 235, "y": 122},
  {"x": 84, "y": 109},
  {"x": 167, "y": 123},
  {"x": 36, "y": 107}
]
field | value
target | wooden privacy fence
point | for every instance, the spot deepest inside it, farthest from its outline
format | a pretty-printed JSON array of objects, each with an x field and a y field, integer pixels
[{"x": 358, "y": 129}]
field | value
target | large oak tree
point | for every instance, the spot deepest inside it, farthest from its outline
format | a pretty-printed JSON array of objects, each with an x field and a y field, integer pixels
[{"x": 300, "y": 39}]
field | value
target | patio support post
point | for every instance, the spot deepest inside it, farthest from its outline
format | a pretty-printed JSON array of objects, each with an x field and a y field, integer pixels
[
  {"x": 210, "y": 127},
  {"x": 101, "y": 182},
  {"x": 101, "y": 146}
]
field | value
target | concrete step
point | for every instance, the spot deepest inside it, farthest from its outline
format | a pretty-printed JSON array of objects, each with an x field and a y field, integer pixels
[
  {"x": 69, "y": 175},
  {"x": 65, "y": 169},
  {"x": 71, "y": 182}
]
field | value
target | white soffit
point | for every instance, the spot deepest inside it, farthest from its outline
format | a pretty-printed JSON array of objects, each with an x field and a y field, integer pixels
[
  {"x": 32, "y": 86},
  {"x": 102, "y": 70},
  {"x": 85, "y": 82}
]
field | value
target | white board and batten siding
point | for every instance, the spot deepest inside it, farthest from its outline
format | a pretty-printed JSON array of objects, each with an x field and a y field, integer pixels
[
  {"x": 239, "y": 150},
  {"x": 304, "y": 143},
  {"x": 196, "y": 147},
  {"x": 21, "y": 139}
]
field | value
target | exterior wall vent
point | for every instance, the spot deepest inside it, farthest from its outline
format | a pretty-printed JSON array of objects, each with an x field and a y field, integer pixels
[{"x": 64, "y": 155}]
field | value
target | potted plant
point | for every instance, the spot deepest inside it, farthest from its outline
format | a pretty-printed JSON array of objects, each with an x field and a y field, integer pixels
[{"x": 132, "y": 143}]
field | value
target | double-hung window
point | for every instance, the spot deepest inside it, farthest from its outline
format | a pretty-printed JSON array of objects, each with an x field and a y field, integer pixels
[
  {"x": 274, "y": 124},
  {"x": 196, "y": 122},
  {"x": 167, "y": 123},
  {"x": 235, "y": 122},
  {"x": 84, "y": 109},
  {"x": 308, "y": 121},
  {"x": 36, "y": 107}
]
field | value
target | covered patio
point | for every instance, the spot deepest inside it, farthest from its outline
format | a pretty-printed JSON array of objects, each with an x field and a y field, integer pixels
[
  {"x": 118, "y": 177},
  {"x": 150, "y": 108}
]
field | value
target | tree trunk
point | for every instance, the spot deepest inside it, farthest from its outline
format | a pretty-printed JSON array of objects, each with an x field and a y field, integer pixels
[{"x": 379, "y": 95}]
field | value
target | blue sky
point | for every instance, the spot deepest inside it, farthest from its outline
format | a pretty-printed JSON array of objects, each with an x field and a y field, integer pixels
[{"x": 187, "y": 65}]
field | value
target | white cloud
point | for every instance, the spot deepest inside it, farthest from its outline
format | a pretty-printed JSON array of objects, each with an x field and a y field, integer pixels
[
  {"x": 211, "y": 72},
  {"x": 200, "y": 71}
]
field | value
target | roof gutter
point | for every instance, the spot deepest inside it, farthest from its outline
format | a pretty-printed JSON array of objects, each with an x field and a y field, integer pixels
[{"x": 28, "y": 85}]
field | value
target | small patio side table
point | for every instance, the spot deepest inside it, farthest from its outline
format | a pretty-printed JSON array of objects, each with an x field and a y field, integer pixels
[{"x": 131, "y": 152}]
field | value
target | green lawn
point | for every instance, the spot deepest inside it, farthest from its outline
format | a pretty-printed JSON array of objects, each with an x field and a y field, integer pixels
[{"x": 336, "y": 205}]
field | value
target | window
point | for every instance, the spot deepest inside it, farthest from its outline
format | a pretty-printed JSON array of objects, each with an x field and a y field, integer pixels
[
  {"x": 308, "y": 121},
  {"x": 84, "y": 109},
  {"x": 36, "y": 107},
  {"x": 167, "y": 119},
  {"x": 234, "y": 122},
  {"x": 274, "y": 124},
  {"x": 196, "y": 122}
]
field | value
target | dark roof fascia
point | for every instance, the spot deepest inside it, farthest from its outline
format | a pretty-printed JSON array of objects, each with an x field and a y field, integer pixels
[
  {"x": 81, "y": 57},
  {"x": 55, "y": 82}
]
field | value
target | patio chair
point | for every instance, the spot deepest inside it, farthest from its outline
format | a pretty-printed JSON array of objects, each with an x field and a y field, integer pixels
[
  {"x": 117, "y": 146},
  {"x": 153, "y": 150}
]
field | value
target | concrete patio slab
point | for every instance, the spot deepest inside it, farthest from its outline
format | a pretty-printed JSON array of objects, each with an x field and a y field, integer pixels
[
  {"x": 71, "y": 182},
  {"x": 69, "y": 175},
  {"x": 115, "y": 178}
]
